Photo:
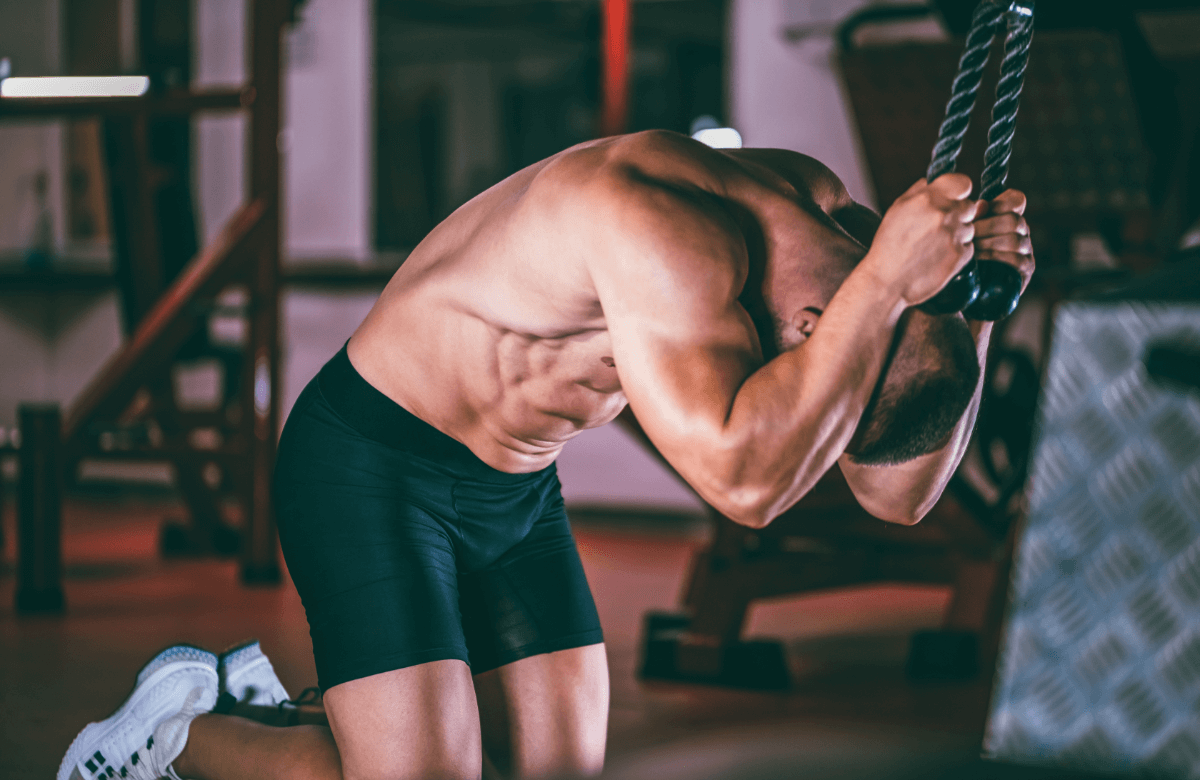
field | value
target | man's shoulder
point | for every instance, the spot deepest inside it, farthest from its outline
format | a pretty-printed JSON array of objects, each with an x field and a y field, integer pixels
[
  {"x": 652, "y": 160},
  {"x": 641, "y": 177},
  {"x": 810, "y": 177},
  {"x": 654, "y": 211}
]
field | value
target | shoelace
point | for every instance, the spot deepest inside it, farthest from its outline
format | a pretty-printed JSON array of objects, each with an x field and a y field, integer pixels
[
  {"x": 307, "y": 696},
  {"x": 291, "y": 707},
  {"x": 226, "y": 702}
]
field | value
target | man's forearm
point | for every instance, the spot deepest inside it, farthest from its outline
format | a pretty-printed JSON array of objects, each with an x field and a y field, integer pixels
[
  {"x": 793, "y": 417},
  {"x": 905, "y": 492}
]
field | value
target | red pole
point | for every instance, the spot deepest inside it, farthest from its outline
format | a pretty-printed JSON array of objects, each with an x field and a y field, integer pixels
[{"x": 615, "y": 86}]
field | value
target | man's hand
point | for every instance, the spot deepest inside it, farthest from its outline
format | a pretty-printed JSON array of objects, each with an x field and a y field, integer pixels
[
  {"x": 1002, "y": 234},
  {"x": 925, "y": 238}
]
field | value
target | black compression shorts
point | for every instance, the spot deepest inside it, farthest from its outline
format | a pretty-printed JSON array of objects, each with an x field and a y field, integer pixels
[{"x": 406, "y": 548}]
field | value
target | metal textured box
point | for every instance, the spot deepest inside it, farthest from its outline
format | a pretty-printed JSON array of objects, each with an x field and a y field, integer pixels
[{"x": 1100, "y": 660}]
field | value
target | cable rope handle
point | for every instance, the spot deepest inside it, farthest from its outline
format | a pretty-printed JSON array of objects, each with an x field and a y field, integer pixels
[{"x": 984, "y": 289}]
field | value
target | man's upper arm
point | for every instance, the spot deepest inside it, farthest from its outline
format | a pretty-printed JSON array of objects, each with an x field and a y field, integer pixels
[{"x": 668, "y": 274}]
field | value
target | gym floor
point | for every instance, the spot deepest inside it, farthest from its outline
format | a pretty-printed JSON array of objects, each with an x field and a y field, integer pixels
[{"x": 124, "y": 602}]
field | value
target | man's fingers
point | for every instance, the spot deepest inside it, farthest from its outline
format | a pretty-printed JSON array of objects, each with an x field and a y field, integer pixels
[
  {"x": 1008, "y": 242},
  {"x": 917, "y": 185},
  {"x": 955, "y": 186},
  {"x": 1009, "y": 201},
  {"x": 998, "y": 226},
  {"x": 1023, "y": 263},
  {"x": 963, "y": 210}
]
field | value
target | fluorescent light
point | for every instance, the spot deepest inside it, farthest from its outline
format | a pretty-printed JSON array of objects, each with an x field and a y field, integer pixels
[
  {"x": 74, "y": 86},
  {"x": 719, "y": 137}
]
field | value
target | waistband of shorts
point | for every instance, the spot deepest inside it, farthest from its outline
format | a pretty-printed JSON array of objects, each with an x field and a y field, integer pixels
[{"x": 379, "y": 418}]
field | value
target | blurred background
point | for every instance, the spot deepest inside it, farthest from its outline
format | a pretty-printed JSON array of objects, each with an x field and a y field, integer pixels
[{"x": 175, "y": 266}]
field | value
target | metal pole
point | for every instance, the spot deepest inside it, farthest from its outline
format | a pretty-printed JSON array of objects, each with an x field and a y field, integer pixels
[
  {"x": 260, "y": 564},
  {"x": 39, "y": 510},
  {"x": 4, "y": 450}
]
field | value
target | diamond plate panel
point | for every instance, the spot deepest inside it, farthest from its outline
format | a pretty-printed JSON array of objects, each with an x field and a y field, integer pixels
[{"x": 1100, "y": 662}]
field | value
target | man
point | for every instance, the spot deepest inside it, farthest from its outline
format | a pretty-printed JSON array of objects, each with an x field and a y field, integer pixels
[{"x": 760, "y": 325}]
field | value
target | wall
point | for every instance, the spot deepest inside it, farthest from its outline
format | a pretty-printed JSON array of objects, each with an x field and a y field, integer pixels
[
  {"x": 29, "y": 369},
  {"x": 52, "y": 344},
  {"x": 326, "y": 125},
  {"x": 29, "y": 38},
  {"x": 786, "y": 94},
  {"x": 327, "y": 120}
]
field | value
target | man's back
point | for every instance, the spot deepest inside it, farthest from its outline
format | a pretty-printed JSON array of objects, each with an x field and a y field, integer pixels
[{"x": 493, "y": 330}]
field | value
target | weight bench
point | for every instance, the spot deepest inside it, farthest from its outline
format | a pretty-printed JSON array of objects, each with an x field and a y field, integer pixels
[{"x": 826, "y": 541}]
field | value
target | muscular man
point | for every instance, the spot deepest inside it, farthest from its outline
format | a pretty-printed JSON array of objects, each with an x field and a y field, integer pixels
[{"x": 758, "y": 322}]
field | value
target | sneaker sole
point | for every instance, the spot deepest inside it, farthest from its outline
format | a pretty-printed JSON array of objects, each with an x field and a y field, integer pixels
[
  {"x": 92, "y": 733},
  {"x": 171, "y": 654}
]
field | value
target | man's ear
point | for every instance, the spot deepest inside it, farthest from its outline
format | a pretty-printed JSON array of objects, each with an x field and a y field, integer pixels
[{"x": 805, "y": 321}]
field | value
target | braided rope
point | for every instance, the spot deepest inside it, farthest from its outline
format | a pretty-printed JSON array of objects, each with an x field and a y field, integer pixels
[
  {"x": 986, "y": 18},
  {"x": 1008, "y": 90},
  {"x": 986, "y": 290}
]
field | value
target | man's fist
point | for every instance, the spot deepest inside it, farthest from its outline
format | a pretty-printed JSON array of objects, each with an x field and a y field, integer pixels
[
  {"x": 1002, "y": 234},
  {"x": 925, "y": 238}
]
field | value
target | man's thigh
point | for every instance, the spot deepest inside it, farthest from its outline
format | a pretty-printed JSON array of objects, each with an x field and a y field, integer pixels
[
  {"x": 418, "y": 722},
  {"x": 547, "y": 715}
]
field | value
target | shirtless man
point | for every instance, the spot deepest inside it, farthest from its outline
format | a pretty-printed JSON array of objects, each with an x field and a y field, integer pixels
[{"x": 758, "y": 322}]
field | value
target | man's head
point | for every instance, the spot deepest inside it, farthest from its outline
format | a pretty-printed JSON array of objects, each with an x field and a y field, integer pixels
[{"x": 926, "y": 385}]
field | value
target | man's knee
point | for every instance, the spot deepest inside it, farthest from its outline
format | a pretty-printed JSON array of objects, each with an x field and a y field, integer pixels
[
  {"x": 586, "y": 761},
  {"x": 416, "y": 722}
]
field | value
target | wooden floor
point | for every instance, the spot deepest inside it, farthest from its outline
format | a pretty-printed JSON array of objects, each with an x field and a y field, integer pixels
[{"x": 124, "y": 603}]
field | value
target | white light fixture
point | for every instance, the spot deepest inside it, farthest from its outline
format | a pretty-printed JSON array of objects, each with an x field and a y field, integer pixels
[
  {"x": 707, "y": 130},
  {"x": 74, "y": 86},
  {"x": 719, "y": 137}
]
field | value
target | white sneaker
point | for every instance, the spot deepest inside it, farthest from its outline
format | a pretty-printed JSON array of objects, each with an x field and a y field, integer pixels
[
  {"x": 248, "y": 676},
  {"x": 141, "y": 739}
]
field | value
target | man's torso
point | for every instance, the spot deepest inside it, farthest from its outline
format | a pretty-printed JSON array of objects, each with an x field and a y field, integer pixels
[{"x": 492, "y": 331}]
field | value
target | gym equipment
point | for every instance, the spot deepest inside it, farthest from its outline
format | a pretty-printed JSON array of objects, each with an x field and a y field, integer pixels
[
  {"x": 985, "y": 289},
  {"x": 1080, "y": 157},
  {"x": 825, "y": 541},
  {"x": 128, "y": 410},
  {"x": 1100, "y": 663},
  {"x": 39, "y": 513}
]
